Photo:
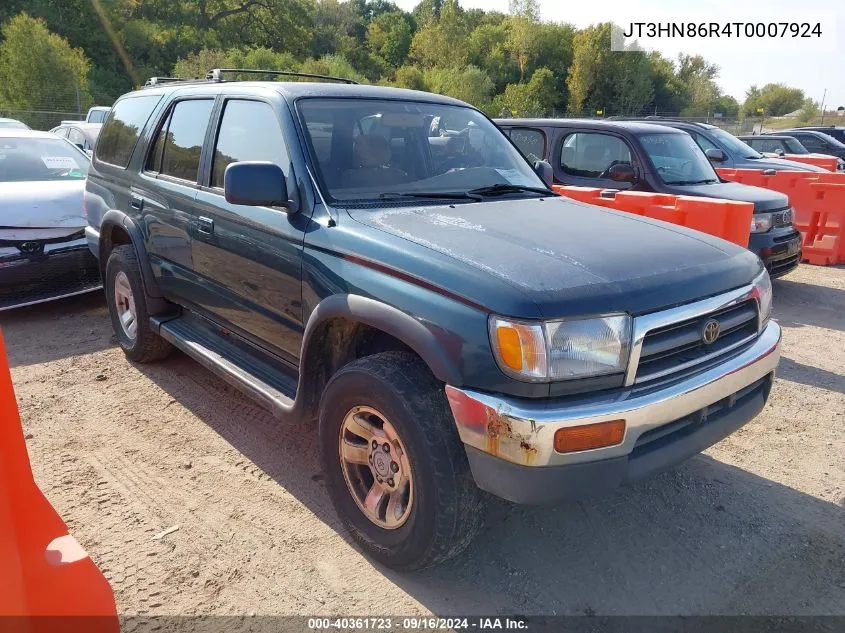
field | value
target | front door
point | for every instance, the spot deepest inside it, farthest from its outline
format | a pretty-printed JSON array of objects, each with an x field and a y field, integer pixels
[{"x": 250, "y": 258}]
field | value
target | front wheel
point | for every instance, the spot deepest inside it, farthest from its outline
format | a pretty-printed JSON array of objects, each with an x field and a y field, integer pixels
[
  {"x": 128, "y": 307},
  {"x": 395, "y": 468}
]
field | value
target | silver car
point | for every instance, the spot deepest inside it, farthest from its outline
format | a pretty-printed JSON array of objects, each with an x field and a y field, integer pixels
[{"x": 43, "y": 251}]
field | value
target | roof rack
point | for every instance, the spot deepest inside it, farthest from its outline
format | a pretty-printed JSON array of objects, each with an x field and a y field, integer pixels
[
  {"x": 154, "y": 81},
  {"x": 216, "y": 74}
]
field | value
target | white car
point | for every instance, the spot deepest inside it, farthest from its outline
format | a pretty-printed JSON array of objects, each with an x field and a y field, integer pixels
[{"x": 43, "y": 251}]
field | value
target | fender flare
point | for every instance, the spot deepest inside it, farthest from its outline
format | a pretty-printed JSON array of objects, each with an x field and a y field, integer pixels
[
  {"x": 400, "y": 325},
  {"x": 120, "y": 219}
]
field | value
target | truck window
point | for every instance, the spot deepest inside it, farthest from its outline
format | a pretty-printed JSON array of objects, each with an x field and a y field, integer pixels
[
  {"x": 766, "y": 145},
  {"x": 532, "y": 143},
  {"x": 123, "y": 127},
  {"x": 589, "y": 154},
  {"x": 184, "y": 137},
  {"x": 249, "y": 130}
]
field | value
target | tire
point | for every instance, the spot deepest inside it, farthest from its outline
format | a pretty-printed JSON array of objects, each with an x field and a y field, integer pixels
[
  {"x": 447, "y": 508},
  {"x": 122, "y": 268}
]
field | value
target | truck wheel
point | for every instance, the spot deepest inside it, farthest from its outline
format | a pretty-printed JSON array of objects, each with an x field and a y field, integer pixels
[
  {"x": 395, "y": 469},
  {"x": 128, "y": 308}
]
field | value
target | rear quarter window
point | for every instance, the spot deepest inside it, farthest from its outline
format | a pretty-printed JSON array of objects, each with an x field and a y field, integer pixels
[{"x": 123, "y": 127}]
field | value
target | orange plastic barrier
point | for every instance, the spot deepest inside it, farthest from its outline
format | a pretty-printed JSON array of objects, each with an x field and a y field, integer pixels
[
  {"x": 825, "y": 162},
  {"x": 47, "y": 581},
  {"x": 817, "y": 202},
  {"x": 728, "y": 219}
]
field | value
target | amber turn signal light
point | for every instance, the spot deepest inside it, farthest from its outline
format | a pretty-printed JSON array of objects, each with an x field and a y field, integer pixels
[{"x": 582, "y": 438}]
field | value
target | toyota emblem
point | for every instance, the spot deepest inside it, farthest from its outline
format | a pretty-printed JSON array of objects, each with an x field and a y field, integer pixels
[
  {"x": 710, "y": 332},
  {"x": 30, "y": 248}
]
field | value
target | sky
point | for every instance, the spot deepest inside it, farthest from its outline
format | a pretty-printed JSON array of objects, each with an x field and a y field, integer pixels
[{"x": 812, "y": 64}]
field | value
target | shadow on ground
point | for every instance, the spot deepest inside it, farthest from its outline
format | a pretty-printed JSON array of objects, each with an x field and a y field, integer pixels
[
  {"x": 71, "y": 327},
  {"x": 708, "y": 538},
  {"x": 798, "y": 304}
]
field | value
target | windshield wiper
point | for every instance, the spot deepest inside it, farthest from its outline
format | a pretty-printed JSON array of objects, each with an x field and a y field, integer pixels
[
  {"x": 503, "y": 188},
  {"x": 435, "y": 195},
  {"x": 706, "y": 181}
]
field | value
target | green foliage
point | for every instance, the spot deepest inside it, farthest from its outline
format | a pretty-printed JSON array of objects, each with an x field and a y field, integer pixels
[
  {"x": 809, "y": 111},
  {"x": 470, "y": 84},
  {"x": 512, "y": 62},
  {"x": 775, "y": 99},
  {"x": 38, "y": 67}
]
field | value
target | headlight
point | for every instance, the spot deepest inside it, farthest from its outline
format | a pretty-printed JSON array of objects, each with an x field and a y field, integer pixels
[
  {"x": 561, "y": 350},
  {"x": 760, "y": 223},
  {"x": 763, "y": 293}
]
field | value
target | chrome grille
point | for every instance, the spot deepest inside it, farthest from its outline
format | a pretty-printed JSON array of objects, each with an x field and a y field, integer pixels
[
  {"x": 782, "y": 218},
  {"x": 672, "y": 342}
]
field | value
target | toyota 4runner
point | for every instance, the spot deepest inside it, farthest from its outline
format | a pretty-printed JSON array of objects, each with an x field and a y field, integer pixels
[{"x": 386, "y": 264}]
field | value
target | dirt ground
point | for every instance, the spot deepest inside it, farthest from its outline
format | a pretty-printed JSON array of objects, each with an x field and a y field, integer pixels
[{"x": 754, "y": 526}]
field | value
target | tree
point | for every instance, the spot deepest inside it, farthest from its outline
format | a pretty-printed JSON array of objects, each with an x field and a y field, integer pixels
[
  {"x": 427, "y": 12},
  {"x": 442, "y": 42},
  {"x": 389, "y": 35},
  {"x": 698, "y": 77},
  {"x": 779, "y": 99},
  {"x": 809, "y": 111},
  {"x": 39, "y": 70},
  {"x": 727, "y": 106},
  {"x": 410, "y": 77},
  {"x": 670, "y": 93},
  {"x": 532, "y": 99},
  {"x": 335, "y": 27},
  {"x": 620, "y": 83},
  {"x": 333, "y": 65},
  {"x": 470, "y": 84},
  {"x": 196, "y": 65}
]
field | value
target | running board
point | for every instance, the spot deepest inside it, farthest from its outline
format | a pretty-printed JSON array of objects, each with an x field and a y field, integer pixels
[{"x": 258, "y": 378}]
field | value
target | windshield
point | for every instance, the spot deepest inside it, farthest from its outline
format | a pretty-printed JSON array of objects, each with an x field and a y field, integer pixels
[
  {"x": 677, "y": 159},
  {"x": 734, "y": 145},
  {"x": 794, "y": 146},
  {"x": 23, "y": 159},
  {"x": 365, "y": 149}
]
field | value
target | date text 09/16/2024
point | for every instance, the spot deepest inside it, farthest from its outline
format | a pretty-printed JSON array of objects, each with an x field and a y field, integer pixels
[{"x": 417, "y": 624}]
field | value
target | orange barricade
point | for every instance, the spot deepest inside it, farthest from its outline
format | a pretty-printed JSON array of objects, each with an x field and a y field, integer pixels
[
  {"x": 825, "y": 162},
  {"x": 47, "y": 581},
  {"x": 728, "y": 219},
  {"x": 817, "y": 202}
]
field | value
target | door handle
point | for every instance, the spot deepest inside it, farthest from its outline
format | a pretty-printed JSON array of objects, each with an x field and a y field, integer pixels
[
  {"x": 205, "y": 225},
  {"x": 136, "y": 202}
]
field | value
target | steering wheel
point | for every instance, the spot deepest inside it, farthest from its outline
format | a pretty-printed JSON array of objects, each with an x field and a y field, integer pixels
[{"x": 680, "y": 169}]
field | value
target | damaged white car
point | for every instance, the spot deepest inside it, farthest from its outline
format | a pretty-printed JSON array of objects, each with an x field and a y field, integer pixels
[{"x": 43, "y": 251}]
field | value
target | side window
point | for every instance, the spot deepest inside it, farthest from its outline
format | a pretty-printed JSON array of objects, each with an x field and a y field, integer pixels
[
  {"x": 249, "y": 130},
  {"x": 811, "y": 143},
  {"x": 154, "y": 157},
  {"x": 766, "y": 145},
  {"x": 589, "y": 154},
  {"x": 704, "y": 143},
  {"x": 532, "y": 143},
  {"x": 76, "y": 137},
  {"x": 184, "y": 137},
  {"x": 61, "y": 131},
  {"x": 121, "y": 130}
]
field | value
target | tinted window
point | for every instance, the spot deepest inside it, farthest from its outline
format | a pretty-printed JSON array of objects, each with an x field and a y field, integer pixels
[
  {"x": 184, "y": 137},
  {"x": 766, "y": 145},
  {"x": 154, "y": 158},
  {"x": 704, "y": 143},
  {"x": 811, "y": 143},
  {"x": 371, "y": 148},
  {"x": 97, "y": 116},
  {"x": 532, "y": 143},
  {"x": 76, "y": 137},
  {"x": 123, "y": 127},
  {"x": 677, "y": 159},
  {"x": 39, "y": 159},
  {"x": 794, "y": 147},
  {"x": 249, "y": 131},
  {"x": 588, "y": 154}
]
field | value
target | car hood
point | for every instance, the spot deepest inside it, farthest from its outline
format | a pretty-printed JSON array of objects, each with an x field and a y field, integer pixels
[
  {"x": 566, "y": 257},
  {"x": 763, "y": 199},
  {"x": 780, "y": 164},
  {"x": 41, "y": 210}
]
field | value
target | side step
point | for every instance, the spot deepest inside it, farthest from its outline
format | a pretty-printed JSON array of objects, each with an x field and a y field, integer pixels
[{"x": 245, "y": 369}]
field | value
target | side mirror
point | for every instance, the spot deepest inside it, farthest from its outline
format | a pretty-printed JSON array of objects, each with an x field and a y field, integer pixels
[
  {"x": 545, "y": 171},
  {"x": 715, "y": 155},
  {"x": 620, "y": 172},
  {"x": 255, "y": 183},
  {"x": 780, "y": 152}
]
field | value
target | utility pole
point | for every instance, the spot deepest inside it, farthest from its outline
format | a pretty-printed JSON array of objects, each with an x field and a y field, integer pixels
[{"x": 824, "y": 96}]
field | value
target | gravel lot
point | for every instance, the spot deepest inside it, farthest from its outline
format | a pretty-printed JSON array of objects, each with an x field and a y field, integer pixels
[{"x": 756, "y": 525}]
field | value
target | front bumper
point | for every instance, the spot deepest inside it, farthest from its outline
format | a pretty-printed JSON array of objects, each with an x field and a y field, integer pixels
[
  {"x": 780, "y": 250},
  {"x": 61, "y": 270},
  {"x": 509, "y": 441}
]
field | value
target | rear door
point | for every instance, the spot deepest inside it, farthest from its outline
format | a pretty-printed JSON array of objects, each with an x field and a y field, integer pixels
[
  {"x": 167, "y": 188},
  {"x": 250, "y": 258}
]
